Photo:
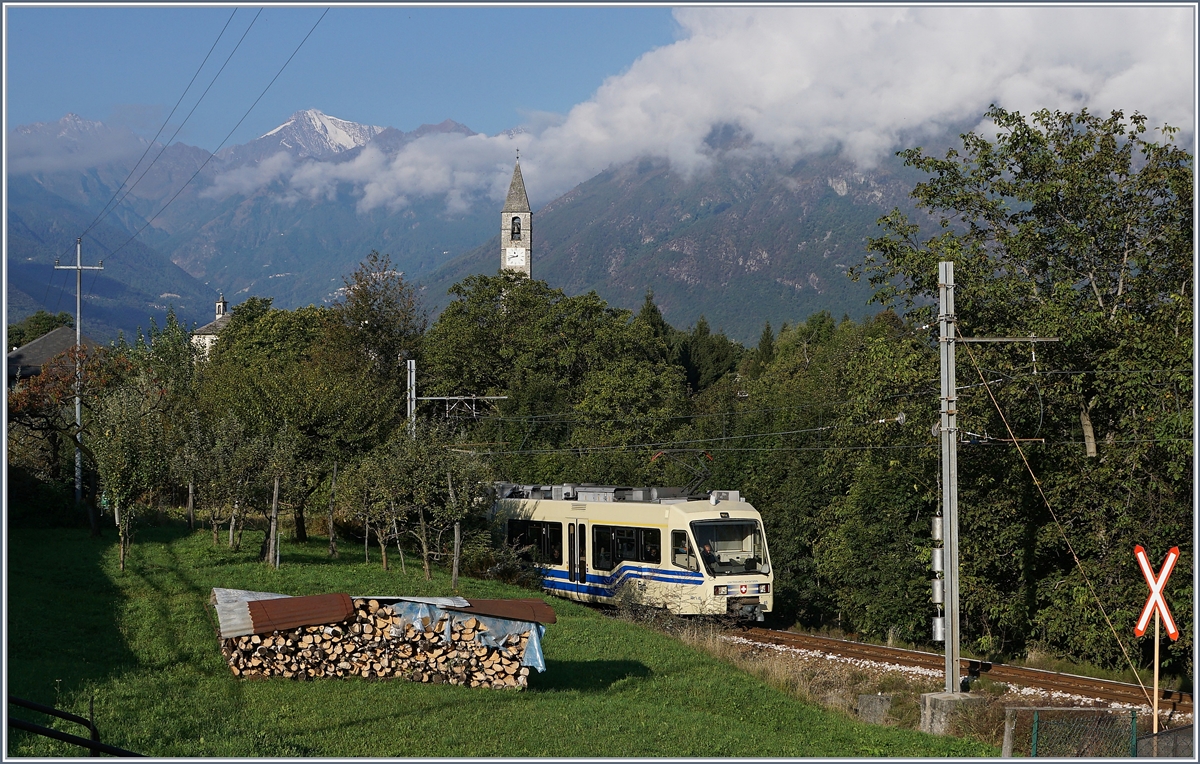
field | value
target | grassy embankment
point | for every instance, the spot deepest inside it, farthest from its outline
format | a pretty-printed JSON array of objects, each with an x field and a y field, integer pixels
[{"x": 142, "y": 643}]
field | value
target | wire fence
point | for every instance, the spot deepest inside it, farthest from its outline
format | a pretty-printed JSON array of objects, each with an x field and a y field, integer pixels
[
  {"x": 1070, "y": 732},
  {"x": 1174, "y": 743}
]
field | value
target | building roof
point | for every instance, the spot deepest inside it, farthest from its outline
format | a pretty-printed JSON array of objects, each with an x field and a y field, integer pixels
[
  {"x": 517, "y": 201},
  {"x": 214, "y": 327},
  {"x": 28, "y": 360}
]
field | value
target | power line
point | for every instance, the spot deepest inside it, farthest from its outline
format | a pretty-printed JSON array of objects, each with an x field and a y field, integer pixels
[
  {"x": 106, "y": 211},
  {"x": 1062, "y": 531},
  {"x": 569, "y": 417},
  {"x": 231, "y": 132},
  {"x": 580, "y": 451}
]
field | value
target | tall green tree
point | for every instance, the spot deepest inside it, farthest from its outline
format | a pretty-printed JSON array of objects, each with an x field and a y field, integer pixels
[
  {"x": 382, "y": 317},
  {"x": 1078, "y": 226},
  {"x": 576, "y": 372}
]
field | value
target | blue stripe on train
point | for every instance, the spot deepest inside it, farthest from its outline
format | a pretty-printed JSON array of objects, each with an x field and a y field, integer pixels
[{"x": 607, "y": 585}]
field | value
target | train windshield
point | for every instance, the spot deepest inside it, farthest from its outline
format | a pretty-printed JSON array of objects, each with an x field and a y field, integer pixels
[{"x": 731, "y": 547}]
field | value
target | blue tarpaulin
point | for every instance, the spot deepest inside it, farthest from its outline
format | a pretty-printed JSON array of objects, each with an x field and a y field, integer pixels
[{"x": 494, "y": 633}]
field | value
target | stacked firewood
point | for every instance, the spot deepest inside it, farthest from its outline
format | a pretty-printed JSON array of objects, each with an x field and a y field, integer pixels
[{"x": 375, "y": 644}]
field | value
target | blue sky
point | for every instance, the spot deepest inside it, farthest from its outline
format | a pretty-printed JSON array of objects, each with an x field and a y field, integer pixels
[
  {"x": 593, "y": 87},
  {"x": 488, "y": 68}
]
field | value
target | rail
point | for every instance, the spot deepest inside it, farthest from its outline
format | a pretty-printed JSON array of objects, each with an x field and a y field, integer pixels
[
  {"x": 1169, "y": 700},
  {"x": 91, "y": 743}
]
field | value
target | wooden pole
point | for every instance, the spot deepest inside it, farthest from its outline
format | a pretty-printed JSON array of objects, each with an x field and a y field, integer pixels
[
  {"x": 273, "y": 547},
  {"x": 191, "y": 509},
  {"x": 457, "y": 551},
  {"x": 332, "y": 531}
]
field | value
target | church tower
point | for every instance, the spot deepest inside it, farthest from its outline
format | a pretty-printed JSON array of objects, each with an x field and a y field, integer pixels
[{"x": 516, "y": 231}]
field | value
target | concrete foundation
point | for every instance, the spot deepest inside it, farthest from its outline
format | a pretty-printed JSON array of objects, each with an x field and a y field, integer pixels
[
  {"x": 873, "y": 709},
  {"x": 937, "y": 708}
]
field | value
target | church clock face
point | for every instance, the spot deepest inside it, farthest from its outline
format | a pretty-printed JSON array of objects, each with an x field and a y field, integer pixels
[{"x": 514, "y": 256}]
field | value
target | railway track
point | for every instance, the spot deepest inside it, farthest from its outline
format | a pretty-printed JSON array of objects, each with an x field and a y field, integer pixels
[{"x": 1169, "y": 700}]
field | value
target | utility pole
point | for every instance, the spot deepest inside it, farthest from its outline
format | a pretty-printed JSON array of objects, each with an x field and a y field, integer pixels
[
  {"x": 412, "y": 398},
  {"x": 947, "y": 337},
  {"x": 949, "y": 438},
  {"x": 79, "y": 268}
]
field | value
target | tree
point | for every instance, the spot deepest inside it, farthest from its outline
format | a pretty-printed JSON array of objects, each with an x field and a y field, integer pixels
[
  {"x": 300, "y": 368},
  {"x": 130, "y": 449},
  {"x": 573, "y": 370},
  {"x": 29, "y": 329},
  {"x": 1076, "y": 226},
  {"x": 42, "y": 432},
  {"x": 382, "y": 316},
  {"x": 650, "y": 316},
  {"x": 168, "y": 356},
  {"x": 706, "y": 357},
  {"x": 419, "y": 485},
  {"x": 756, "y": 361}
]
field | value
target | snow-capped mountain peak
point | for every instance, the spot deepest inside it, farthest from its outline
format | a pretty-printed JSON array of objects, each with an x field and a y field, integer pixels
[{"x": 316, "y": 134}]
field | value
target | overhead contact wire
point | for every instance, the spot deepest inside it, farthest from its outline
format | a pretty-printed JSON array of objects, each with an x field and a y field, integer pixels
[{"x": 1062, "y": 532}]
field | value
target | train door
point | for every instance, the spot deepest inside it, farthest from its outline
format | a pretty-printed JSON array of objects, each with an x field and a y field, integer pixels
[{"x": 577, "y": 554}]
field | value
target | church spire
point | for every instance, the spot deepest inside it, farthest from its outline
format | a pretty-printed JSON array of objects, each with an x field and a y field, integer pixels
[
  {"x": 516, "y": 201},
  {"x": 516, "y": 234}
]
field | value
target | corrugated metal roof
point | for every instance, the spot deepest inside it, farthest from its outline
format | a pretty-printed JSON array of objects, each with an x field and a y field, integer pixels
[
  {"x": 293, "y": 612},
  {"x": 534, "y": 610},
  {"x": 230, "y": 596},
  {"x": 241, "y": 613},
  {"x": 233, "y": 614}
]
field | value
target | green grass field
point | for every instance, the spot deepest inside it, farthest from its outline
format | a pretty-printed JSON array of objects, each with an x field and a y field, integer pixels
[{"x": 143, "y": 644}]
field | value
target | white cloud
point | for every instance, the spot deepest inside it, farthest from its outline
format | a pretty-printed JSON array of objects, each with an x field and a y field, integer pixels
[
  {"x": 251, "y": 177},
  {"x": 863, "y": 80}
]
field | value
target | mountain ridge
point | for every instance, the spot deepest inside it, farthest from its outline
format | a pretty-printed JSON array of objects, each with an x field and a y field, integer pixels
[{"x": 748, "y": 241}]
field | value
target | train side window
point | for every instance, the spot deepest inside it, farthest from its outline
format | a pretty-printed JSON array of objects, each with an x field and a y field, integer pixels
[
  {"x": 536, "y": 541},
  {"x": 583, "y": 552},
  {"x": 518, "y": 536},
  {"x": 625, "y": 544},
  {"x": 650, "y": 545},
  {"x": 602, "y": 545},
  {"x": 682, "y": 555},
  {"x": 552, "y": 551}
]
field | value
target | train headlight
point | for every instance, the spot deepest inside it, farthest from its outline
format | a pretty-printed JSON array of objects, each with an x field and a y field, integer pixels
[
  {"x": 764, "y": 588},
  {"x": 721, "y": 590}
]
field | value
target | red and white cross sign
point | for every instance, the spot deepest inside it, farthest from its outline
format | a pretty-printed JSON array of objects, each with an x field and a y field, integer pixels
[{"x": 1156, "y": 583}]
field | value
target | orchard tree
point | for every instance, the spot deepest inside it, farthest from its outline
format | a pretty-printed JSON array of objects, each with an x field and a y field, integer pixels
[{"x": 130, "y": 449}]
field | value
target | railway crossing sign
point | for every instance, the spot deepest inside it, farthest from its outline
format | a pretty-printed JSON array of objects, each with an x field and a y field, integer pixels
[{"x": 1155, "y": 601}]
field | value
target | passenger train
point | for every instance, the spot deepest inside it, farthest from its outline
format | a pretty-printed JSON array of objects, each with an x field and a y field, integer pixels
[{"x": 659, "y": 547}]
